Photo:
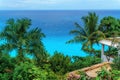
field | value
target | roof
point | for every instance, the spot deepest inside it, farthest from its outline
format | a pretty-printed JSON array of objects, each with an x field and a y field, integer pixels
[
  {"x": 114, "y": 42},
  {"x": 92, "y": 71}
]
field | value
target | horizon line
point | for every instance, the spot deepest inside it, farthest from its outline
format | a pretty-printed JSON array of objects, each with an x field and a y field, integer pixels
[{"x": 56, "y": 9}]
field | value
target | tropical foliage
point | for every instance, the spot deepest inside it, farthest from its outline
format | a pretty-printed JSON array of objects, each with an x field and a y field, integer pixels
[
  {"x": 18, "y": 36},
  {"x": 60, "y": 63},
  {"x": 88, "y": 33},
  {"x": 26, "y": 42},
  {"x": 104, "y": 74},
  {"x": 7, "y": 65},
  {"x": 81, "y": 62},
  {"x": 28, "y": 71},
  {"x": 116, "y": 64},
  {"x": 110, "y": 26}
]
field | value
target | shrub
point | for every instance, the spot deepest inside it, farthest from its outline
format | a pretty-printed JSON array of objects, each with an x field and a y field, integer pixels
[
  {"x": 116, "y": 63},
  {"x": 60, "y": 63},
  {"x": 28, "y": 71},
  {"x": 81, "y": 62},
  {"x": 6, "y": 67},
  {"x": 6, "y": 63}
]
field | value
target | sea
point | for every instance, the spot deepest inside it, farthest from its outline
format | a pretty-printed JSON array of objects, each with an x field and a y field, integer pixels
[{"x": 56, "y": 25}]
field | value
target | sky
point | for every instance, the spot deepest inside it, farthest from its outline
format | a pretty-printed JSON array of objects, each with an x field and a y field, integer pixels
[{"x": 59, "y": 4}]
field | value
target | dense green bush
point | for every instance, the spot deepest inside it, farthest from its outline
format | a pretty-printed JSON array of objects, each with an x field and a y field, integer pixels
[
  {"x": 60, "y": 63},
  {"x": 116, "y": 63},
  {"x": 108, "y": 75},
  {"x": 5, "y": 76},
  {"x": 104, "y": 74},
  {"x": 21, "y": 71},
  {"x": 81, "y": 62},
  {"x": 110, "y": 26},
  {"x": 28, "y": 71},
  {"x": 111, "y": 52},
  {"x": 7, "y": 65}
]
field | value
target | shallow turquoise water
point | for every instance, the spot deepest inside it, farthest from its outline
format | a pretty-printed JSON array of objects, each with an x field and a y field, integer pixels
[
  {"x": 56, "y": 26},
  {"x": 53, "y": 44},
  {"x": 59, "y": 44}
]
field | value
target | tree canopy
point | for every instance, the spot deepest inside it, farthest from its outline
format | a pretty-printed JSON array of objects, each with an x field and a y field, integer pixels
[
  {"x": 110, "y": 26},
  {"x": 20, "y": 37},
  {"x": 89, "y": 33}
]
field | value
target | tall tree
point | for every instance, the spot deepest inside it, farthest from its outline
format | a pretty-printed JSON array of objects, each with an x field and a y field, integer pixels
[
  {"x": 19, "y": 37},
  {"x": 110, "y": 26},
  {"x": 88, "y": 33}
]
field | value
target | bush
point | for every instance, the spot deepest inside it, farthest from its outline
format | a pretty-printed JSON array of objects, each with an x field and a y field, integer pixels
[
  {"x": 116, "y": 74},
  {"x": 60, "y": 63},
  {"x": 108, "y": 75},
  {"x": 6, "y": 64},
  {"x": 28, "y": 71},
  {"x": 5, "y": 76},
  {"x": 81, "y": 62},
  {"x": 111, "y": 52},
  {"x": 104, "y": 74},
  {"x": 116, "y": 63}
]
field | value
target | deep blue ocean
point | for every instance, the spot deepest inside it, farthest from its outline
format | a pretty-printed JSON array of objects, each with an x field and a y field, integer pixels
[{"x": 56, "y": 25}]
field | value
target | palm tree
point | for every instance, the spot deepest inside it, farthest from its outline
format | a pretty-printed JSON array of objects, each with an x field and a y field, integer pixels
[
  {"x": 88, "y": 34},
  {"x": 19, "y": 37}
]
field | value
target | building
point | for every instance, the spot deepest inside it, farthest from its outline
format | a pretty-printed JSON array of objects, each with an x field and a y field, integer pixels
[{"x": 113, "y": 42}]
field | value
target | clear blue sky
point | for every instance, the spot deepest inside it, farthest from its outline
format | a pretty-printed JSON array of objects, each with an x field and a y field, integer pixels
[{"x": 58, "y": 4}]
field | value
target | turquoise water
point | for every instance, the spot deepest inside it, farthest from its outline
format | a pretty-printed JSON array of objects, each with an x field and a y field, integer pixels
[
  {"x": 59, "y": 44},
  {"x": 56, "y": 26}
]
